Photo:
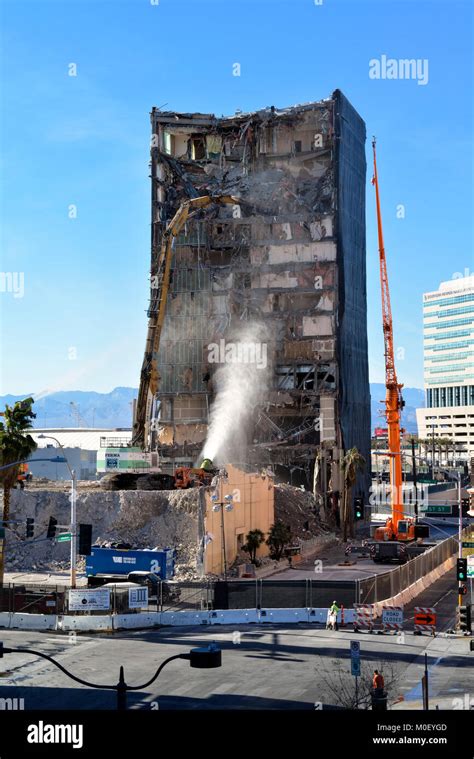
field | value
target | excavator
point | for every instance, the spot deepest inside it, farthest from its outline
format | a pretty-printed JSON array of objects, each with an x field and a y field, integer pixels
[
  {"x": 391, "y": 540},
  {"x": 146, "y": 407}
]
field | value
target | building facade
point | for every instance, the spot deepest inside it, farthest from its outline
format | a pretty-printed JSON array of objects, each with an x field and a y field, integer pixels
[
  {"x": 291, "y": 259},
  {"x": 241, "y": 502},
  {"x": 448, "y": 340},
  {"x": 82, "y": 447}
]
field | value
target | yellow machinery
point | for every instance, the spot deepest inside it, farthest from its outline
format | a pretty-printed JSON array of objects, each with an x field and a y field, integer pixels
[{"x": 149, "y": 377}]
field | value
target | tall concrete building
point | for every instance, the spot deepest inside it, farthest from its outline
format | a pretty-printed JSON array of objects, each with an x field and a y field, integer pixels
[
  {"x": 291, "y": 259},
  {"x": 448, "y": 335}
]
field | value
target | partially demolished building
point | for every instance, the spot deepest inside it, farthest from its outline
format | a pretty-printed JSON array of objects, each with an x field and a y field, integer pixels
[{"x": 292, "y": 258}]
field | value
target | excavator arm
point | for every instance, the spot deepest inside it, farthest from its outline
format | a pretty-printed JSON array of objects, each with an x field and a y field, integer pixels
[{"x": 149, "y": 376}]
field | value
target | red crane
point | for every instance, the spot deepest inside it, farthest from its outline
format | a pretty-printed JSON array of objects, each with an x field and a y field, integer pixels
[{"x": 396, "y": 527}]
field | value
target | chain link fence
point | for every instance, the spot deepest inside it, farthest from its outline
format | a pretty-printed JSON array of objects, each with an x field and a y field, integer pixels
[
  {"x": 389, "y": 584},
  {"x": 31, "y": 598}
]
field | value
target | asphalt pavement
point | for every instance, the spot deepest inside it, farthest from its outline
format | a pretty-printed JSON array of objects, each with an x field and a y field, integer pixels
[{"x": 264, "y": 666}]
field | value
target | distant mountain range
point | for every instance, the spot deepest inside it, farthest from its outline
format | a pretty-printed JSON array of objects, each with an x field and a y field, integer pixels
[
  {"x": 77, "y": 408},
  {"x": 414, "y": 398}
]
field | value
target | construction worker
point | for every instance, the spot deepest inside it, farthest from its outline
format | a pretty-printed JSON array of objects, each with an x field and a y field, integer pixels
[
  {"x": 207, "y": 465},
  {"x": 332, "y": 616},
  {"x": 378, "y": 683}
]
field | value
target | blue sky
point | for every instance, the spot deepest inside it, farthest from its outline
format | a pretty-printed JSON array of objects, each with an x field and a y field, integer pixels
[{"x": 84, "y": 140}]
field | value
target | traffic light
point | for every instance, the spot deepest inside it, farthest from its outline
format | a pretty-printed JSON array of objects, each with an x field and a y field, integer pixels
[
  {"x": 30, "y": 527},
  {"x": 462, "y": 590},
  {"x": 461, "y": 570},
  {"x": 52, "y": 528},
  {"x": 465, "y": 618},
  {"x": 358, "y": 509},
  {"x": 85, "y": 539}
]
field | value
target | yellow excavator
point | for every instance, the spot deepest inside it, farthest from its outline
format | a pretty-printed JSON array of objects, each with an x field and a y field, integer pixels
[{"x": 149, "y": 377}]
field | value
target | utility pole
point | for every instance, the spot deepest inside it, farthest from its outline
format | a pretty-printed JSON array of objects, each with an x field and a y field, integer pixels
[
  {"x": 222, "y": 504},
  {"x": 73, "y": 527},
  {"x": 72, "y": 498},
  {"x": 413, "y": 459},
  {"x": 425, "y": 686},
  {"x": 459, "y": 528},
  {"x": 432, "y": 450}
]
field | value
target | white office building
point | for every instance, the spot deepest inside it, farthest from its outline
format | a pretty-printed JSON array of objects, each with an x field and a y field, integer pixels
[
  {"x": 80, "y": 446},
  {"x": 448, "y": 338}
]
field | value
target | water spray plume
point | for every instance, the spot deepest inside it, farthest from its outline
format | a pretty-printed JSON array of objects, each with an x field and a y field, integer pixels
[{"x": 241, "y": 383}]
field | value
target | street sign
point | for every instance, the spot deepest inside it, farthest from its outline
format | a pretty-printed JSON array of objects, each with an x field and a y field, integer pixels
[
  {"x": 470, "y": 566},
  {"x": 425, "y": 618},
  {"x": 355, "y": 658},
  {"x": 392, "y": 616},
  {"x": 64, "y": 538},
  {"x": 437, "y": 508}
]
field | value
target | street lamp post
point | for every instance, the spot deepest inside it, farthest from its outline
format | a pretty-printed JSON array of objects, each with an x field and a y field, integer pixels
[
  {"x": 206, "y": 657},
  {"x": 460, "y": 528},
  {"x": 224, "y": 504},
  {"x": 72, "y": 472},
  {"x": 432, "y": 449}
]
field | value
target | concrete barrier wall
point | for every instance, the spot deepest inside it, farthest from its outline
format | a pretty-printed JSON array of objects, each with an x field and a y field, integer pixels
[
  {"x": 279, "y": 616},
  {"x": 130, "y": 621},
  {"x": 86, "y": 623},
  {"x": 189, "y": 618},
  {"x": 108, "y": 622},
  {"x": 408, "y": 594},
  {"x": 33, "y": 621},
  {"x": 233, "y": 617}
]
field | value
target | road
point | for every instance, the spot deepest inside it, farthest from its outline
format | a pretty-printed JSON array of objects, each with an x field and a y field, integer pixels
[{"x": 264, "y": 666}]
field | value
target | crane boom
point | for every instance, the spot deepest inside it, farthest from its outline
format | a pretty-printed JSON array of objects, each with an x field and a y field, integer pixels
[
  {"x": 149, "y": 376},
  {"x": 393, "y": 398}
]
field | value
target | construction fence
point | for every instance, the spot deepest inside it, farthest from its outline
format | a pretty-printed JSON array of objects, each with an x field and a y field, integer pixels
[
  {"x": 210, "y": 595},
  {"x": 187, "y": 596},
  {"x": 389, "y": 584}
]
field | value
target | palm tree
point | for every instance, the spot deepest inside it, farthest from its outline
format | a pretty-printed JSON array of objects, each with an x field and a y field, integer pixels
[
  {"x": 15, "y": 445},
  {"x": 278, "y": 537},
  {"x": 255, "y": 538},
  {"x": 352, "y": 463}
]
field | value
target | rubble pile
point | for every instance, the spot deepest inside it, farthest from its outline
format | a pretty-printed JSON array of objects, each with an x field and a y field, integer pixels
[
  {"x": 146, "y": 519},
  {"x": 298, "y": 509},
  {"x": 142, "y": 518}
]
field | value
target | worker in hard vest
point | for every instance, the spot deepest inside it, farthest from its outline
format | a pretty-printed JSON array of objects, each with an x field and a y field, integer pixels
[
  {"x": 333, "y": 612},
  {"x": 207, "y": 465},
  {"x": 378, "y": 683}
]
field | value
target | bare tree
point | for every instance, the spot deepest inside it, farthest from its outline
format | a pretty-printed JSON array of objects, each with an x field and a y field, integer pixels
[{"x": 339, "y": 685}]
